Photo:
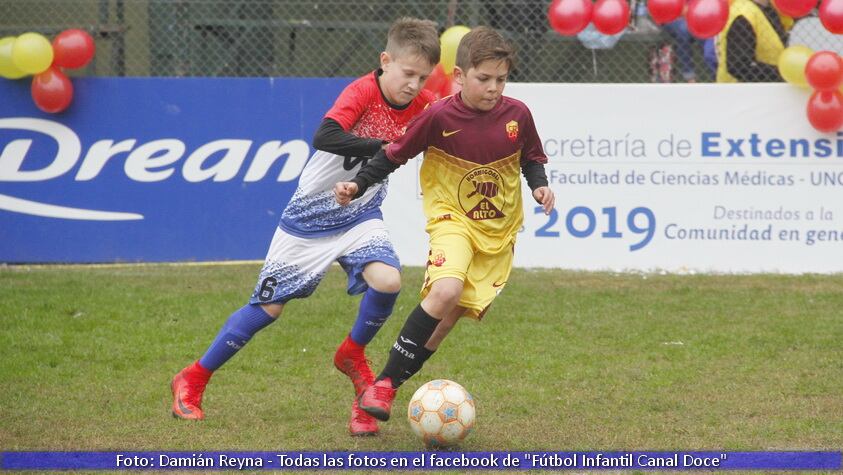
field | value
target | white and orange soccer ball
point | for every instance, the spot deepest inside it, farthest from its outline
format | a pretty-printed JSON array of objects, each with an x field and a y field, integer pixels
[{"x": 441, "y": 413}]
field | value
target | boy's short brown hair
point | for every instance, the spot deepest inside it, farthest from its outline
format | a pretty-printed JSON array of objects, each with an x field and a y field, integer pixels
[
  {"x": 483, "y": 44},
  {"x": 414, "y": 37}
]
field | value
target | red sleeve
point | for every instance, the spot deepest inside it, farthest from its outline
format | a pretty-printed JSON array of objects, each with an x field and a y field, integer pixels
[
  {"x": 415, "y": 138},
  {"x": 350, "y": 105},
  {"x": 532, "y": 149}
]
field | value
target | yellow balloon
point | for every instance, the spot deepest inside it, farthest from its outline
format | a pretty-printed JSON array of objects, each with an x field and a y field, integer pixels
[
  {"x": 448, "y": 43},
  {"x": 792, "y": 64},
  {"x": 7, "y": 68},
  {"x": 32, "y": 53}
]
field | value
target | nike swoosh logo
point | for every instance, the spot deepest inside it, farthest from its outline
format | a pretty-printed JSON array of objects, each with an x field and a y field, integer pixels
[
  {"x": 407, "y": 340},
  {"x": 182, "y": 406},
  {"x": 498, "y": 284},
  {"x": 446, "y": 133}
]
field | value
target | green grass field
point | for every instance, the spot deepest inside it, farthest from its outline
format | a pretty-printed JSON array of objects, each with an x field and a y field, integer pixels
[{"x": 563, "y": 361}]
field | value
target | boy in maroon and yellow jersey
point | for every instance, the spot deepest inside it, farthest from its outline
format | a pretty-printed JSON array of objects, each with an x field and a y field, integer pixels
[{"x": 476, "y": 144}]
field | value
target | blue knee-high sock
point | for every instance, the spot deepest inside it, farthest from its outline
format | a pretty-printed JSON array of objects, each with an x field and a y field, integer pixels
[
  {"x": 375, "y": 308},
  {"x": 237, "y": 331}
]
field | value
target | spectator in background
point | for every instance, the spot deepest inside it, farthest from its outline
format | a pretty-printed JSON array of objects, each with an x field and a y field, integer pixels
[
  {"x": 661, "y": 62},
  {"x": 748, "y": 48},
  {"x": 683, "y": 41},
  {"x": 710, "y": 54},
  {"x": 680, "y": 49}
]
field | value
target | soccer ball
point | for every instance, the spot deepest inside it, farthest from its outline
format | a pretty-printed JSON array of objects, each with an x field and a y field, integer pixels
[{"x": 441, "y": 413}]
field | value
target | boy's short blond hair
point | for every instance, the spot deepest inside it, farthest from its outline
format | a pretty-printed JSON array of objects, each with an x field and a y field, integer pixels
[
  {"x": 411, "y": 36},
  {"x": 484, "y": 44}
]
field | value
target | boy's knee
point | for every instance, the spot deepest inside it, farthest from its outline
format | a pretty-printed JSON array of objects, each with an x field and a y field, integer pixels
[
  {"x": 383, "y": 278},
  {"x": 446, "y": 291}
]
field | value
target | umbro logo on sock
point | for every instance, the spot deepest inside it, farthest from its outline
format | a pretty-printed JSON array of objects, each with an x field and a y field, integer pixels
[{"x": 404, "y": 352}]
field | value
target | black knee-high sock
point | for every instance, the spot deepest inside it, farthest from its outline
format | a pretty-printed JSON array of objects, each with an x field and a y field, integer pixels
[
  {"x": 421, "y": 357},
  {"x": 408, "y": 353}
]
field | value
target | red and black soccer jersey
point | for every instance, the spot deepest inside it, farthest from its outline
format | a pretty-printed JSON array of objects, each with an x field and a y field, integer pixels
[{"x": 361, "y": 110}]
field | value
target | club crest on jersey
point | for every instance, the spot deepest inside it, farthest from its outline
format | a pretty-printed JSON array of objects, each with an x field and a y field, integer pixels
[
  {"x": 481, "y": 194},
  {"x": 512, "y": 130},
  {"x": 436, "y": 257}
]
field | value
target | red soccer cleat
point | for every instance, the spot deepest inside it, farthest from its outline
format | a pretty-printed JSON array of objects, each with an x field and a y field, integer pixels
[
  {"x": 188, "y": 385},
  {"x": 377, "y": 399},
  {"x": 361, "y": 423},
  {"x": 350, "y": 359}
]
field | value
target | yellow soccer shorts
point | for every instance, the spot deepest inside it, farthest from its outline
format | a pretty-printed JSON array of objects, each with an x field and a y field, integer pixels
[{"x": 452, "y": 254}]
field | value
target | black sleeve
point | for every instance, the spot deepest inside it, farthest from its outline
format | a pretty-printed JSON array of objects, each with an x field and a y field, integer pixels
[
  {"x": 534, "y": 173},
  {"x": 740, "y": 55},
  {"x": 378, "y": 168},
  {"x": 332, "y": 138}
]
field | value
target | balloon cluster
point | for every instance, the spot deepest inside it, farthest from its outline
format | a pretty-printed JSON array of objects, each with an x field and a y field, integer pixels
[
  {"x": 32, "y": 53},
  {"x": 705, "y": 18},
  {"x": 822, "y": 71},
  {"x": 441, "y": 81},
  {"x": 798, "y": 65}
]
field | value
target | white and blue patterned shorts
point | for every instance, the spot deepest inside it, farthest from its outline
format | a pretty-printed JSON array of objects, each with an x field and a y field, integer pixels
[{"x": 294, "y": 266}]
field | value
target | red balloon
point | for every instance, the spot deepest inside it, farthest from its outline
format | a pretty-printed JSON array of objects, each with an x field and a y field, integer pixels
[
  {"x": 824, "y": 71},
  {"x": 569, "y": 17},
  {"x": 825, "y": 110},
  {"x": 665, "y": 11},
  {"x": 438, "y": 82},
  {"x": 795, "y": 8},
  {"x": 73, "y": 49},
  {"x": 610, "y": 17},
  {"x": 707, "y": 18},
  {"x": 831, "y": 15},
  {"x": 52, "y": 91}
]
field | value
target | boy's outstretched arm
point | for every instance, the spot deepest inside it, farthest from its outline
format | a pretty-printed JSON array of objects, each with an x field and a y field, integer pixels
[
  {"x": 537, "y": 181},
  {"x": 332, "y": 138},
  {"x": 389, "y": 158},
  {"x": 377, "y": 169}
]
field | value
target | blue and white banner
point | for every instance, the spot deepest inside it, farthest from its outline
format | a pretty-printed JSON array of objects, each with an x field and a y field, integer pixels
[
  {"x": 423, "y": 461},
  {"x": 152, "y": 169}
]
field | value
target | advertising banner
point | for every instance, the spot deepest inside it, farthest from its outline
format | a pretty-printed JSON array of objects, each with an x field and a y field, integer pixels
[
  {"x": 680, "y": 178},
  {"x": 154, "y": 169}
]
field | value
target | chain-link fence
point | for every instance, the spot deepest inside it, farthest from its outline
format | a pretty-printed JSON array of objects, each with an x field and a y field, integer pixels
[{"x": 344, "y": 37}]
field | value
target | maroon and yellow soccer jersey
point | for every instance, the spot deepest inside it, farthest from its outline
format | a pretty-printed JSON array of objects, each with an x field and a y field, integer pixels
[
  {"x": 362, "y": 110},
  {"x": 472, "y": 165}
]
